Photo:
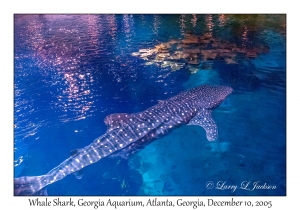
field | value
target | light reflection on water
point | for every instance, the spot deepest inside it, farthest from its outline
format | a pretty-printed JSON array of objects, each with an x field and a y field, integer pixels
[
  {"x": 209, "y": 24},
  {"x": 73, "y": 70},
  {"x": 222, "y": 20}
]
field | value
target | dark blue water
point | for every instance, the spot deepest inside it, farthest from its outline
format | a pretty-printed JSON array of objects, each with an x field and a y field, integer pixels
[{"x": 70, "y": 71}]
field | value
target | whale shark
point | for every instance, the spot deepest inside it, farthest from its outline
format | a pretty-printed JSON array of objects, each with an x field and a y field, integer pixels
[{"x": 128, "y": 133}]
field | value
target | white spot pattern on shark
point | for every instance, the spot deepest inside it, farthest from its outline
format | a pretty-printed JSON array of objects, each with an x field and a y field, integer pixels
[{"x": 134, "y": 131}]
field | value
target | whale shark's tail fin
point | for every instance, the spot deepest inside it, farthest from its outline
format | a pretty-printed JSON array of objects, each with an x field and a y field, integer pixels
[{"x": 30, "y": 185}]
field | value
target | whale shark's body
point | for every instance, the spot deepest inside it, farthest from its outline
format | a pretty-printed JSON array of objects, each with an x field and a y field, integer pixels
[{"x": 127, "y": 133}]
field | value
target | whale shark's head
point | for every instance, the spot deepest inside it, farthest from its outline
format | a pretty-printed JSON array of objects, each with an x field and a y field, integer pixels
[{"x": 208, "y": 96}]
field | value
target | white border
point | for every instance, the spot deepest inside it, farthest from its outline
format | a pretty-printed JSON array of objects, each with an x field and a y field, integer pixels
[{"x": 8, "y": 8}]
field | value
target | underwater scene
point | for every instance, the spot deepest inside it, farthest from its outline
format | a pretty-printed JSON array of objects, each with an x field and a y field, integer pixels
[{"x": 132, "y": 104}]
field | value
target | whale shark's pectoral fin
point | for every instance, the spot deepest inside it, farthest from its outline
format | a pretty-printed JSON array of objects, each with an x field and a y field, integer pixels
[{"x": 204, "y": 119}]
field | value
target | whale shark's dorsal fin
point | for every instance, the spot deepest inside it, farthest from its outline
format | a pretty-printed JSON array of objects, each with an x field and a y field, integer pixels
[
  {"x": 79, "y": 173},
  {"x": 115, "y": 120},
  {"x": 205, "y": 120},
  {"x": 74, "y": 152}
]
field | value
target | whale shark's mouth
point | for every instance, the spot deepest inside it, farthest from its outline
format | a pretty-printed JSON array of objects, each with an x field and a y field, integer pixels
[{"x": 227, "y": 90}]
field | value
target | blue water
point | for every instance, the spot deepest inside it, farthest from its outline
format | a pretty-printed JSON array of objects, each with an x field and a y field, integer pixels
[{"x": 70, "y": 71}]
